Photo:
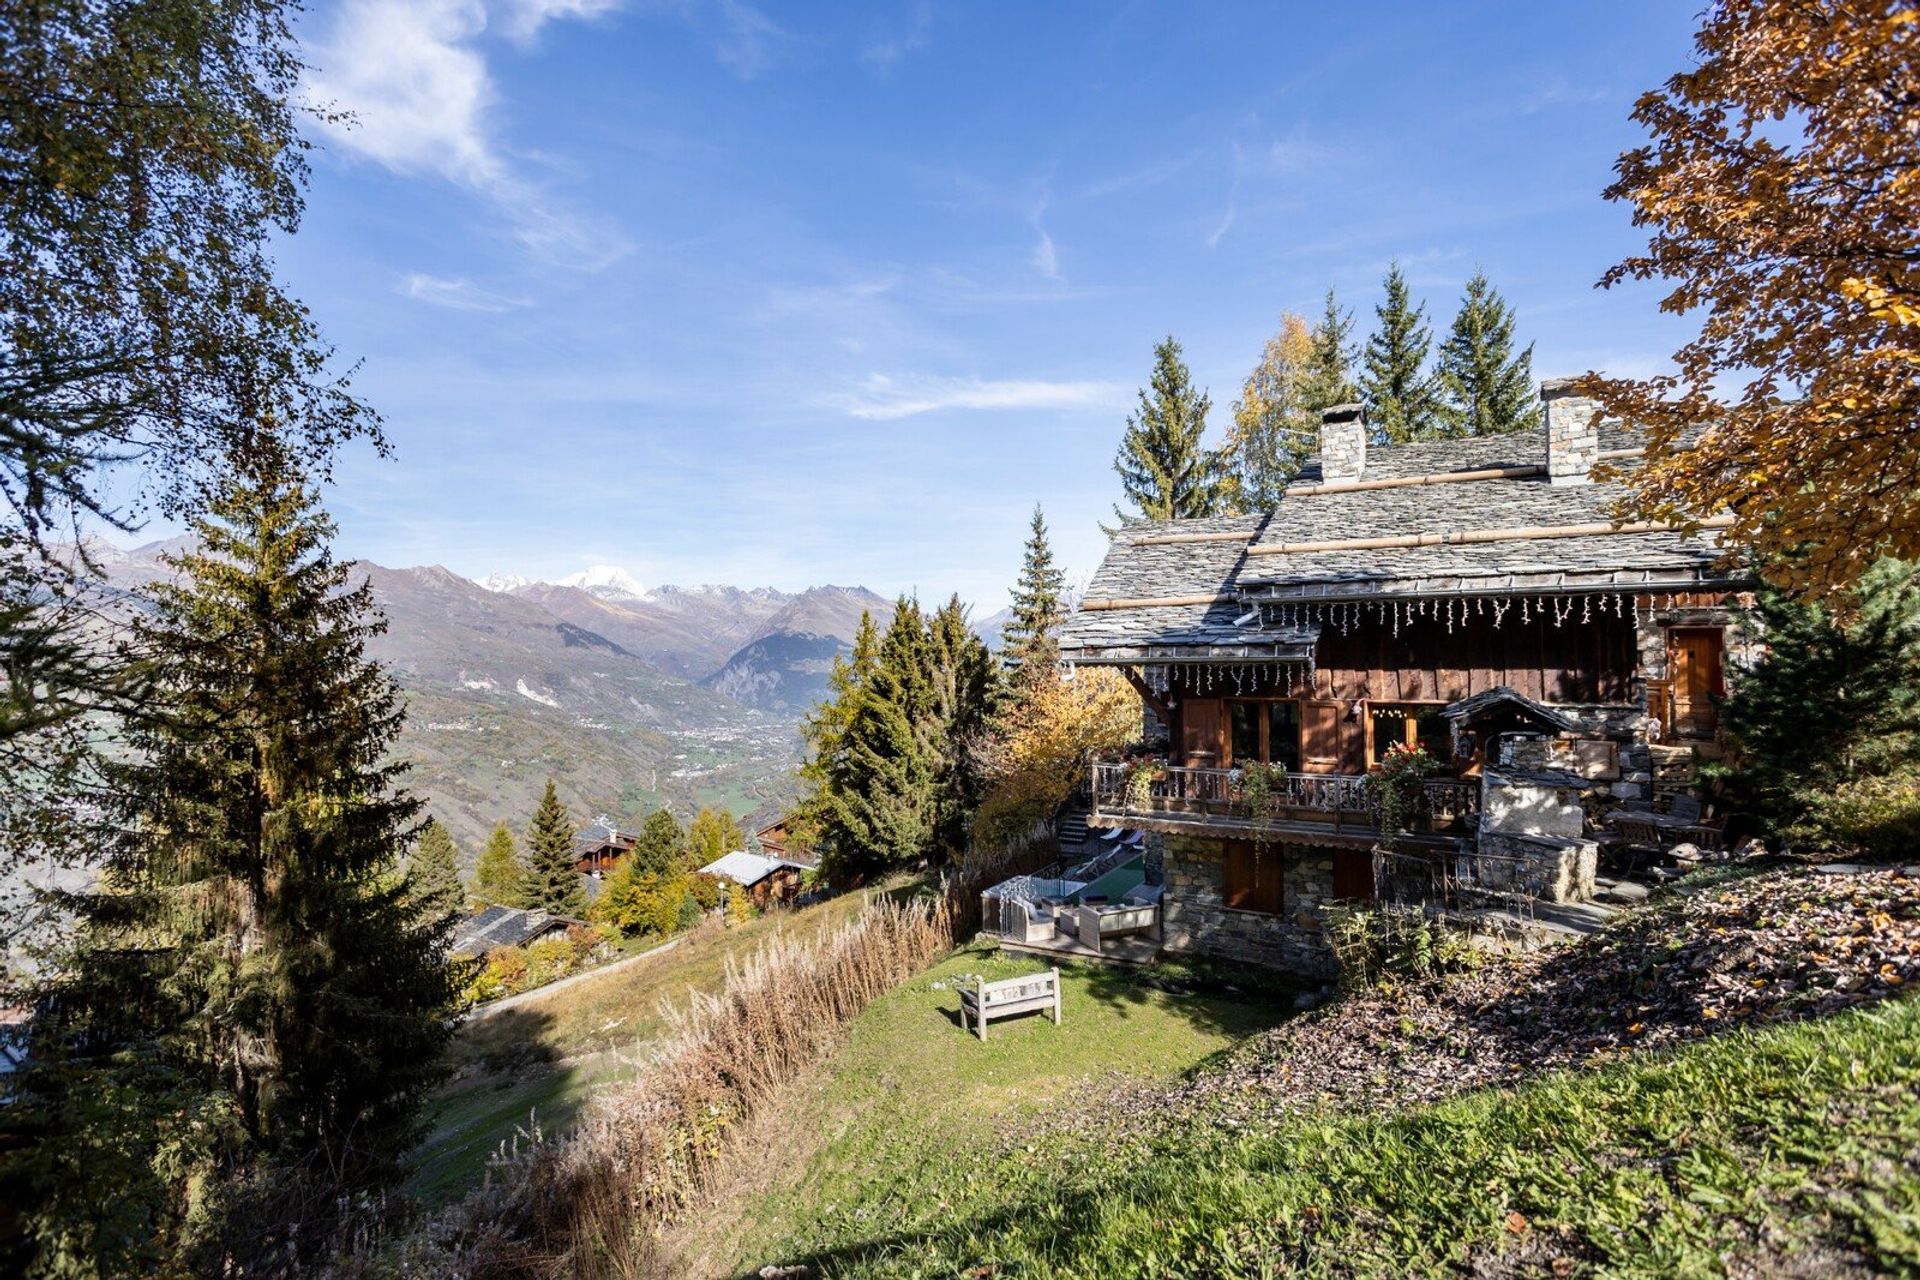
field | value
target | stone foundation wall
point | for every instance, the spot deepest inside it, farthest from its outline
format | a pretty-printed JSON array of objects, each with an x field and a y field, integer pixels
[{"x": 1198, "y": 922}]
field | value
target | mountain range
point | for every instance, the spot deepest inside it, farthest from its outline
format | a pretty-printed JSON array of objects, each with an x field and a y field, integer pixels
[{"x": 628, "y": 697}]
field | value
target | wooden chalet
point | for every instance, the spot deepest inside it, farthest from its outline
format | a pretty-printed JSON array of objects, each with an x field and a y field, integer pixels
[
  {"x": 599, "y": 845},
  {"x": 1472, "y": 596},
  {"x": 765, "y": 879}
]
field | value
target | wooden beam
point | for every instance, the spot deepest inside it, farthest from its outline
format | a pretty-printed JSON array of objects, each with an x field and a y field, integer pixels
[
  {"x": 1409, "y": 482},
  {"x": 1156, "y": 602},
  {"x": 1461, "y": 537},
  {"x": 1149, "y": 697},
  {"x": 1176, "y": 539}
]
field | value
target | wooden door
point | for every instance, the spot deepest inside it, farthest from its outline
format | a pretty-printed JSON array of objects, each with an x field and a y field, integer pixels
[
  {"x": 1353, "y": 875},
  {"x": 1696, "y": 670},
  {"x": 1202, "y": 733}
]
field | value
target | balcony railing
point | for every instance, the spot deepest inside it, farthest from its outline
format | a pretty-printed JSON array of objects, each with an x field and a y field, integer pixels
[{"x": 1342, "y": 801}]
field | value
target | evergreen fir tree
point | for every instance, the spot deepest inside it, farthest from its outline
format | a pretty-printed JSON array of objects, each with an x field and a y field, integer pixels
[
  {"x": 552, "y": 883},
  {"x": 661, "y": 846},
  {"x": 1402, "y": 402},
  {"x": 498, "y": 878},
  {"x": 966, "y": 687},
  {"x": 878, "y": 804},
  {"x": 1486, "y": 388},
  {"x": 433, "y": 875},
  {"x": 824, "y": 732},
  {"x": 1329, "y": 377},
  {"x": 253, "y": 1010},
  {"x": 1028, "y": 642},
  {"x": 1835, "y": 699},
  {"x": 1165, "y": 471}
]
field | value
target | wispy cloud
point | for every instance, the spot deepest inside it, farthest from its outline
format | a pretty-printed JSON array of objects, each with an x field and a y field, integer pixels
[
  {"x": 883, "y": 399},
  {"x": 460, "y": 294},
  {"x": 1561, "y": 92},
  {"x": 416, "y": 85},
  {"x": 747, "y": 48},
  {"x": 1233, "y": 195},
  {"x": 884, "y": 53},
  {"x": 1046, "y": 257}
]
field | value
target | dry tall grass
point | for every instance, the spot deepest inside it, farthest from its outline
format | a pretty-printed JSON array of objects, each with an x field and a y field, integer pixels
[{"x": 591, "y": 1205}]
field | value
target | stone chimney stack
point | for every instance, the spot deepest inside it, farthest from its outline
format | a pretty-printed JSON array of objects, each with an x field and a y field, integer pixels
[
  {"x": 1573, "y": 431},
  {"x": 1343, "y": 442}
]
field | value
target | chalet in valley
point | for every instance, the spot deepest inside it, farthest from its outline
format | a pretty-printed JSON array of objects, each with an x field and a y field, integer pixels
[{"x": 1475, "y": 597}]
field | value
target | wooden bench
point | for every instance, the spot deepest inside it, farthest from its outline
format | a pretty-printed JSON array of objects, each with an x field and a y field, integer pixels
[{"x": 984, "y": 1001}]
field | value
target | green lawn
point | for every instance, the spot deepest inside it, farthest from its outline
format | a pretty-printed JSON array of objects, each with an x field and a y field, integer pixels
[
  {"x": 903, "y": 1115},
  {"x": 1791, "y": 1150},
  {"x": 536, "y": 1063}
]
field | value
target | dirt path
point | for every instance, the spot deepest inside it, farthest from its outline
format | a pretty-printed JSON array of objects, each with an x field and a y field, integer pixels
[{"x": 510, "y": 1002}]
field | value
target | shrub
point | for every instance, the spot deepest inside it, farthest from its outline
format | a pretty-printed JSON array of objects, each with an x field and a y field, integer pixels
[
  {"x": 1877, "y": 818},
  {"x": 705, "y": 890},
  {"x": 547, "y": 959},
  {"x": 1375, "y": 945}
]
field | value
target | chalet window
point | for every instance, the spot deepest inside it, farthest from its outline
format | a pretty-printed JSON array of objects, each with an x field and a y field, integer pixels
[
  {"x": 1245, "y": 717},
  {"x": 1266, "y": 730},
  {"x": 1410, "y": 724},
  {"x": 1251, "y": 878},
  {"x": 1283, "y": 735}
]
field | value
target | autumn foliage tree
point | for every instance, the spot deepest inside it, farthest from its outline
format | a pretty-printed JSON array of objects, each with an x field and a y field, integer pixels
[
  {"x": 1782, "y": 189},
  {"x": 1275, "y": 424}
]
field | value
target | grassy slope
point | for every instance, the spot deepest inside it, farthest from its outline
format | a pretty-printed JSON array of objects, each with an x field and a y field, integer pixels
[
  {"x": 910, "y": 1094},
  {"x": 537, "y": 1063},
  {"x": 1786, "y": 1150}
]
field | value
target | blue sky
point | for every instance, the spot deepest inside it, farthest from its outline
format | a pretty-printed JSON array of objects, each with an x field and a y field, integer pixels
[{"x": 794, "y": 294}]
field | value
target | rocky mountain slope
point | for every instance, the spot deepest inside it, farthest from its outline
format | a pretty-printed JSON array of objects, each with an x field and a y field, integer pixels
[{"x": 784, "y": 666}]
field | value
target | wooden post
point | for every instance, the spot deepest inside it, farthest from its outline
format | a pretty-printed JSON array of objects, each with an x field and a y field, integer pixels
[
  {"x": 1056, "y": 997},
  {"x": 980, "y": 1006}
]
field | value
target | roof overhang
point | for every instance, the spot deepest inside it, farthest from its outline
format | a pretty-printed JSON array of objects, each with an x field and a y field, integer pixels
[
  {"x": 1190, "y": 655},
  {"x": 1580, "y": 582}
]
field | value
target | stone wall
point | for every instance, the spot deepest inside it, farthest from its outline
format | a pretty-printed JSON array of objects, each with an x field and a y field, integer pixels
[
  {"x": 1198, "y": 922},
  {"x": 1552, "y": 868}
]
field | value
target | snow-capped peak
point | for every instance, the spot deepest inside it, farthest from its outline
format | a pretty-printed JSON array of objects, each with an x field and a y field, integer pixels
[
  {"x": 609, "y": 582},
  {"x": 503, "y": 582}
]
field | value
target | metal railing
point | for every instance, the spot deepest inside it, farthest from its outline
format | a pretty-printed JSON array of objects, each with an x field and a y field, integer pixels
[{"x": 1155, "y": 790}]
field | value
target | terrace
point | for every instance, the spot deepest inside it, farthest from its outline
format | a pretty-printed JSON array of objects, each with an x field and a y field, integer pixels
[
  {"x": 1100, "y": 908},
  {"x": 1323, "y": 807}
]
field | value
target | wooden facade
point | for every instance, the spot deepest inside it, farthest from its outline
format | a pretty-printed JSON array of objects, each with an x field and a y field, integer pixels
[{"x": 1371, "y": 688}]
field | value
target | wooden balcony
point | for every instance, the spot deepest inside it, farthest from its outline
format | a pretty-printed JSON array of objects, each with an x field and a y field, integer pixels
[{"x": 1333, "y": 808}]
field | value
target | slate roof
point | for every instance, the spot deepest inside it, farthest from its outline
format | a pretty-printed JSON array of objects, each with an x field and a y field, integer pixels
[
  {"x": 600, "y": 833},
  {"x": 746, "y": 868},
  {"x": 1136, "y": 568},
  {"x": 504, "y": 927}
]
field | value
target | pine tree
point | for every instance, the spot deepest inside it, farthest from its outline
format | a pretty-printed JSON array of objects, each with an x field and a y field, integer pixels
[
  {"x": 498, "y": 878},
  {"x": 1836, "y": 699},
  {"x": 253, "y": 1010},
  {"x": 552, "y": 883},
  {"x": 878, "y": 804},
  {"x": 1402, "y": 401},
  {"x": 712, "y": 835},
  {"x": 1164, "y": 469},
  {"x": 1486, "y": 388},
  {"x": 1274, "y": 430},
  {"x": 966, "y": 693},
  {"x": 661, "y": 846},
  {"x": 433, "y": 875},
  {"x": 1028, "y": 642},
  {"x": 824, "y": 732},
  {"x": 1329, "y": 378}
]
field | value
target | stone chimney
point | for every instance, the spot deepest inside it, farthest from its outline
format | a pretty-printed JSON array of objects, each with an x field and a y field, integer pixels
[
  {"x": 1343, "y": 442},
  {"x": 1573, "y": 431}
]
